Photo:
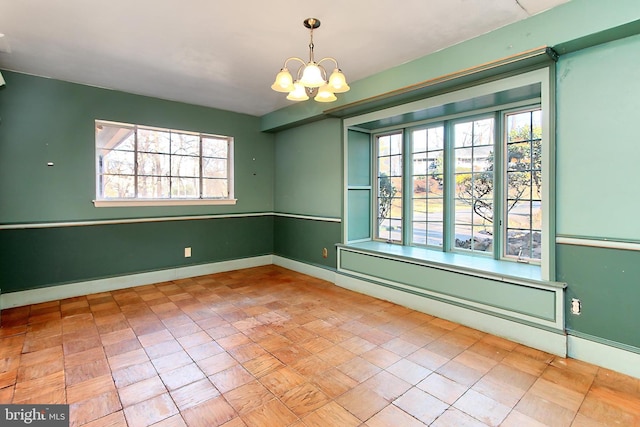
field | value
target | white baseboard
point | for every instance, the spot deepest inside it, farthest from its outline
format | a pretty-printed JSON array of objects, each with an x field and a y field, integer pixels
[
  {"x": 301, "y": 267},
  {"x": 551, "y": 342},
  {"x": 614, "y": 358},
  {"x": 624, "y": 361},
  {"x": 51, "y": 293}
]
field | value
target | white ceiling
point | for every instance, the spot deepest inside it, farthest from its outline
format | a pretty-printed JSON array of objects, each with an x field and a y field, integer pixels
[{"x": 225, "y": 54}]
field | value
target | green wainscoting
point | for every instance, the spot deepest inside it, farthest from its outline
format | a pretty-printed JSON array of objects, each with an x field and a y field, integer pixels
[
  {"x": 607, "y": 282},
  {"x": 533, "y": 304},
  {"x": 39, "y": 257},
  {"x": 303, "y": 240}
]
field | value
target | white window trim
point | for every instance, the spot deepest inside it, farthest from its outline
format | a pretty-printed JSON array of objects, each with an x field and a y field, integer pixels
[
  {"x": 138, "y": 202},
  {"x": 546, "y": 78},
  {"x": 120, "y": 203}
]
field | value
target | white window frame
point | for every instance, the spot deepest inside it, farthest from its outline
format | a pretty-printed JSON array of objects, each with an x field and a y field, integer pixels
[
  {"x": 542, "y": 76},
  {"x": 170, "y": 201}
]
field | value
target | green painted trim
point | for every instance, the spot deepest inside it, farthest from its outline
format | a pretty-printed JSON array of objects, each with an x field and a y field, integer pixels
[
  {"x": 604, "y": 341},
  {"x": 530, "y": 303},
  {"x": 605, "y": 36},
  {"x": 552, "y": 341}
]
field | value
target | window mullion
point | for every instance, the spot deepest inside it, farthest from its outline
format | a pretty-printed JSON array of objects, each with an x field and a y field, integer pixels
[
  {"x": 449, "y": 189},
  {"x": 136, "y": 172},
  {"x": 407, "y": 193},
  {"x": 499, "y": 187},
  {"x": 200, "y": 172}
]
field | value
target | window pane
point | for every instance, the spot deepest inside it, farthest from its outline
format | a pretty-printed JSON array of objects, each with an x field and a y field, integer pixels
[
  {"x": 419, "y": 236},
  {"x": 215, "y": 147},
  {"x": 117, "y": 162},
  {"x": 111, "y": 136},
  {"x": 436, "y": 138},
  {"x": 419, "y": 140},
  {"x": 154, "y": 164},
  {"x": 396, "y": 166},
  {"x": 463, "y": 236},
  {"x": 185, "y": 187},
  {"x": 435, "y": 185},
  {"x": 396, "y": 144},
  {"x": 420, "y": 163},
  {"x": 185, "y": 144},
  {"x": 185, "y": 166},
  {"x": 215, "y": 188},
  {"x": 154, "y": 141},
  {"x": 117, "y": 186},
  {"x": 483, "y": 132},
  {"x": 463, "y": 134},
  {"x": 153, "y": 187},
  {"x": 384, "y": 166},
  {"x": 435, "y": 233},
  {"x": 214, "y": 168},
  {"x": 419, "y": 187},
  {"x": 483, "y": 158}
]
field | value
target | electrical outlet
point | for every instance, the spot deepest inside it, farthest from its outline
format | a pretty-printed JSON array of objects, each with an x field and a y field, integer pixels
[
  {"x": 325, "y": 253},
  {"x": 187, "y": 252},
  {"x": 576, "y": 306}
]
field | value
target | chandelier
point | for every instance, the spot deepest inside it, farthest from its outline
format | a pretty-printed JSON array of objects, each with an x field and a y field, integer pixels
[{"x": 311, "y": 77}]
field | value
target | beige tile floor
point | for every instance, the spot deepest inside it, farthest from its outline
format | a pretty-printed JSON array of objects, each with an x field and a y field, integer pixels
[{"x": 270, "y": 347}]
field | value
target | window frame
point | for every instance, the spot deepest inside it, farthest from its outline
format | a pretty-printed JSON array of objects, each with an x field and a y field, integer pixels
[
  {"x": 542, "y": 78},
  {"x": 499, "y": 198},
  {"x": 136, "y": 200}
]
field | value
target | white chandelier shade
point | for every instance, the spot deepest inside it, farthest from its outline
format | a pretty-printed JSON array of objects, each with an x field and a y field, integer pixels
[{"x": 312, "y": 78}]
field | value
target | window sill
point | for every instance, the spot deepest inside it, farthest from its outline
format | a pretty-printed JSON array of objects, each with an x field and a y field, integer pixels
[
  {"x": 504, "y": 271},
  {"x": 168, "y": 202}
]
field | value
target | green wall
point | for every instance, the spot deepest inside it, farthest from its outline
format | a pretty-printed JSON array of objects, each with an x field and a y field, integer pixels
[
  {"x": 607, "y": 282},
  {"x": 303, "y": 240},
  {"x": 598, "y": 145},
  {"x": 308, "y": 169},
  {"x": 596, "y": 186},
  {"x": 308, "y": 185},
  {"x": 44, "y": 120}
]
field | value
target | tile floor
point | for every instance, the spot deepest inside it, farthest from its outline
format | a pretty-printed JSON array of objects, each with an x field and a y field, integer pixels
[{"x": 270, "y": 347}]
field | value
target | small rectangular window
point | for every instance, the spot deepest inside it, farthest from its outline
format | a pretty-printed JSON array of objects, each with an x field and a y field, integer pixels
[
  {"x": 389, "y": 186},
  {"x": 474, "y": 182},
  {"x": 427, "y": 180},
  {"x": 142, "y": 163},
  {"x": 523, "y": 225}
]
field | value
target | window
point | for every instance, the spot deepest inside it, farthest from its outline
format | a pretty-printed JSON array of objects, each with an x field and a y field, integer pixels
[
  {"x": 146, "y": 165},
  {"x": 389, "y": 149},
  {"x": 473, "y": 184}
]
